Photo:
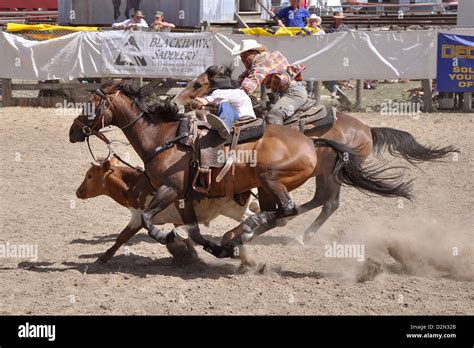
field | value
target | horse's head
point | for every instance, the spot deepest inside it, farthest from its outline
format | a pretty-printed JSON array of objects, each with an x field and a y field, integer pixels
[
  {"x": 119, "y": 103},
  {"x": 200, "y": 85},
  {"x": 100, "y": 115}
]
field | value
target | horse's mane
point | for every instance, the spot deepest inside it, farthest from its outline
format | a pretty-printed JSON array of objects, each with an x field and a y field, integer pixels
[
  {"x": 147, "y": 100},
  {"x": 218, "y": 70}
]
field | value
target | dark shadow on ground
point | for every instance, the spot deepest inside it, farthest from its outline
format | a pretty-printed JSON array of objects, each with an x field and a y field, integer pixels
[
  {"x": 142, "y": 237},
  {"x": 140, "y": 266}
]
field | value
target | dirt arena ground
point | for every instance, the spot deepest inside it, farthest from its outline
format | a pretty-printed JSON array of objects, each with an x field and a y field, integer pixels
[{"x": 41, "y": 170}]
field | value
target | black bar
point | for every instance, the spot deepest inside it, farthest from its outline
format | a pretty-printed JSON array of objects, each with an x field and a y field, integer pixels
[{"x": 290, "y": 331}]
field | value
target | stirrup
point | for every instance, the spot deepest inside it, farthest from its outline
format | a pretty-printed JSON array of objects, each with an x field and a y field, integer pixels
[{"x": 204, "y": 190}]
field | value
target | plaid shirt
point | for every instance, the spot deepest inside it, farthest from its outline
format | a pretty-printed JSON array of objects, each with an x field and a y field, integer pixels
[{"x": 265, "y": 63}]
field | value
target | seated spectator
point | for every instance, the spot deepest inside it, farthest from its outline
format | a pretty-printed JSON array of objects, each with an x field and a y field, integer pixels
[
  {"x": 315, "y": 22},
  {"x": 160, "y": 23},
  {"x": 136, "y": 21},
  {"x": 338, "y": 25},
  {"x": 294, "y": 15}
]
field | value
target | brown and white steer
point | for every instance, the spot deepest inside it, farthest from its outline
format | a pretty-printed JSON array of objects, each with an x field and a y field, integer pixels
[{"x": 132, "y": 190}]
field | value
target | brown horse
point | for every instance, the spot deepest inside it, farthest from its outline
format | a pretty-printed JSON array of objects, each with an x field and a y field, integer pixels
[
  {"x": 346, "y": 130},
  {"x": 286, "y": 160}
]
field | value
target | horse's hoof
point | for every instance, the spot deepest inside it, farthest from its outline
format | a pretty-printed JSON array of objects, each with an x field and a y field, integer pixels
[
  {"x": 178, "y": 250},
  {"x": 180, "y": 234}
]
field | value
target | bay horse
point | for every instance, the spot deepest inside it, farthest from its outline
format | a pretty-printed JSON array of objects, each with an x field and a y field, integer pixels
[
  {"x": 286, "y": 160},
  {"x": 347, "y": 130}
]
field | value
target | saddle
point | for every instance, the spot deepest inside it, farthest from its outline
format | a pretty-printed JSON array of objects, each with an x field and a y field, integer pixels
[
  {"x": 310, "y": 116},
  {"x": 211, "y": 152}
]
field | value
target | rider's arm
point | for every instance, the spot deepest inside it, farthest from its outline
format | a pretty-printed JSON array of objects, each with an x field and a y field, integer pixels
[
  {"x": 253, "y": 80},
  {"x": 168, "y": 25},
  {"x": 123, "y": 24}
]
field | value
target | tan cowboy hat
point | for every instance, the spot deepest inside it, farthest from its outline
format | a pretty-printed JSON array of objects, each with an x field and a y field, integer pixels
[
  {"x": 339, "y": 15},
  {"x": 159, "y": 14},
  {"x": 316, "y": 18},
  {"x": 248, "y": 45},
  {"x": 138, "y": 14}
]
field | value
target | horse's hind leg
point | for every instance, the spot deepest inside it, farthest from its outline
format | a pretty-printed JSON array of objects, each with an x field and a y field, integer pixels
[
  {"x": 266, "y": 203},
  {"x": 275, "y": 194},
  {"x": 327, "y": 192},
  {"x": 257, "y": 224}
]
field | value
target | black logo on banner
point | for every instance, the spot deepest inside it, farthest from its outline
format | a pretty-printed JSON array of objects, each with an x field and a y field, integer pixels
[{"x": 131, "y": 54}]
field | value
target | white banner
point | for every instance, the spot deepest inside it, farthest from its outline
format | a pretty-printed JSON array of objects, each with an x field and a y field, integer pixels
[
  {"x": 340, "y": 56},
  {"x": 64, "y": 58},
  {"x": 156, "y": 54},
  {"x": 377, "y": 55}
]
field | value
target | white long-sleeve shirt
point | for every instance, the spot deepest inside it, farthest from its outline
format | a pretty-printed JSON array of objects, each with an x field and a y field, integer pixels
[
  {"x": 237, "y": 98},
  {"x": 127, "y": 22}
]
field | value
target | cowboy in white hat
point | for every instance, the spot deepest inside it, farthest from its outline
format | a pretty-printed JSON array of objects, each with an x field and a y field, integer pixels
[
  {"x": 272, "y": 70},
  {"x": 137, "y": 20},
  {"x": 315, "y": 22}
]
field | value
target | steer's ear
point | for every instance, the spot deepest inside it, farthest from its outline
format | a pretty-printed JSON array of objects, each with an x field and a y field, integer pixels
[{"x": 105, "y": 166}]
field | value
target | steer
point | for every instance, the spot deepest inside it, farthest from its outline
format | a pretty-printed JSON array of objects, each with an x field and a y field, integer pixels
[{"x": 131, "y": 189}]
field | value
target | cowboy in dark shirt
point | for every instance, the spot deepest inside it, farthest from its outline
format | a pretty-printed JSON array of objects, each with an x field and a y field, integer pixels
[{"x": 338, "y": 26}]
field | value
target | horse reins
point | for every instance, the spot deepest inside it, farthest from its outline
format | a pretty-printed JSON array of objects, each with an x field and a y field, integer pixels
[{"x": 90, "y": 130}]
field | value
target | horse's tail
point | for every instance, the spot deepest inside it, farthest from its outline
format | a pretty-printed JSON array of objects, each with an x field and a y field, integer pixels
[
  {"x": 402, "y": 144},
  {"x": 348, "y": 170}
]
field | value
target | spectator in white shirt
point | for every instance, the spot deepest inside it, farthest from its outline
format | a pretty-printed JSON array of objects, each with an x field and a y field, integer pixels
[
  {"x": 137, "y": 20},
  {"x": 233, "y": 104}
]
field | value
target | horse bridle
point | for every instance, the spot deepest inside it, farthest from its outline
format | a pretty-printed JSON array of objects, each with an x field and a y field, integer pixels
[{"x": 89, "y": 129}]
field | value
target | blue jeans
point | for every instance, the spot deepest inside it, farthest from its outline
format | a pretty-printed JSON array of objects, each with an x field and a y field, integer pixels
[
  {"x": 227, "y": 114},
  {"x": 331, "y": 85}
]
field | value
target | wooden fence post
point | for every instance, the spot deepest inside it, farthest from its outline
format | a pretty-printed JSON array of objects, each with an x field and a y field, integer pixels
[
  {"x": 359, "y": 90},
  {"x": 427, "y": 100},
  {"x": 467, "y": 104},
  {"x": 317, "y": 91},
  {"x": 7, "y": 99}
]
